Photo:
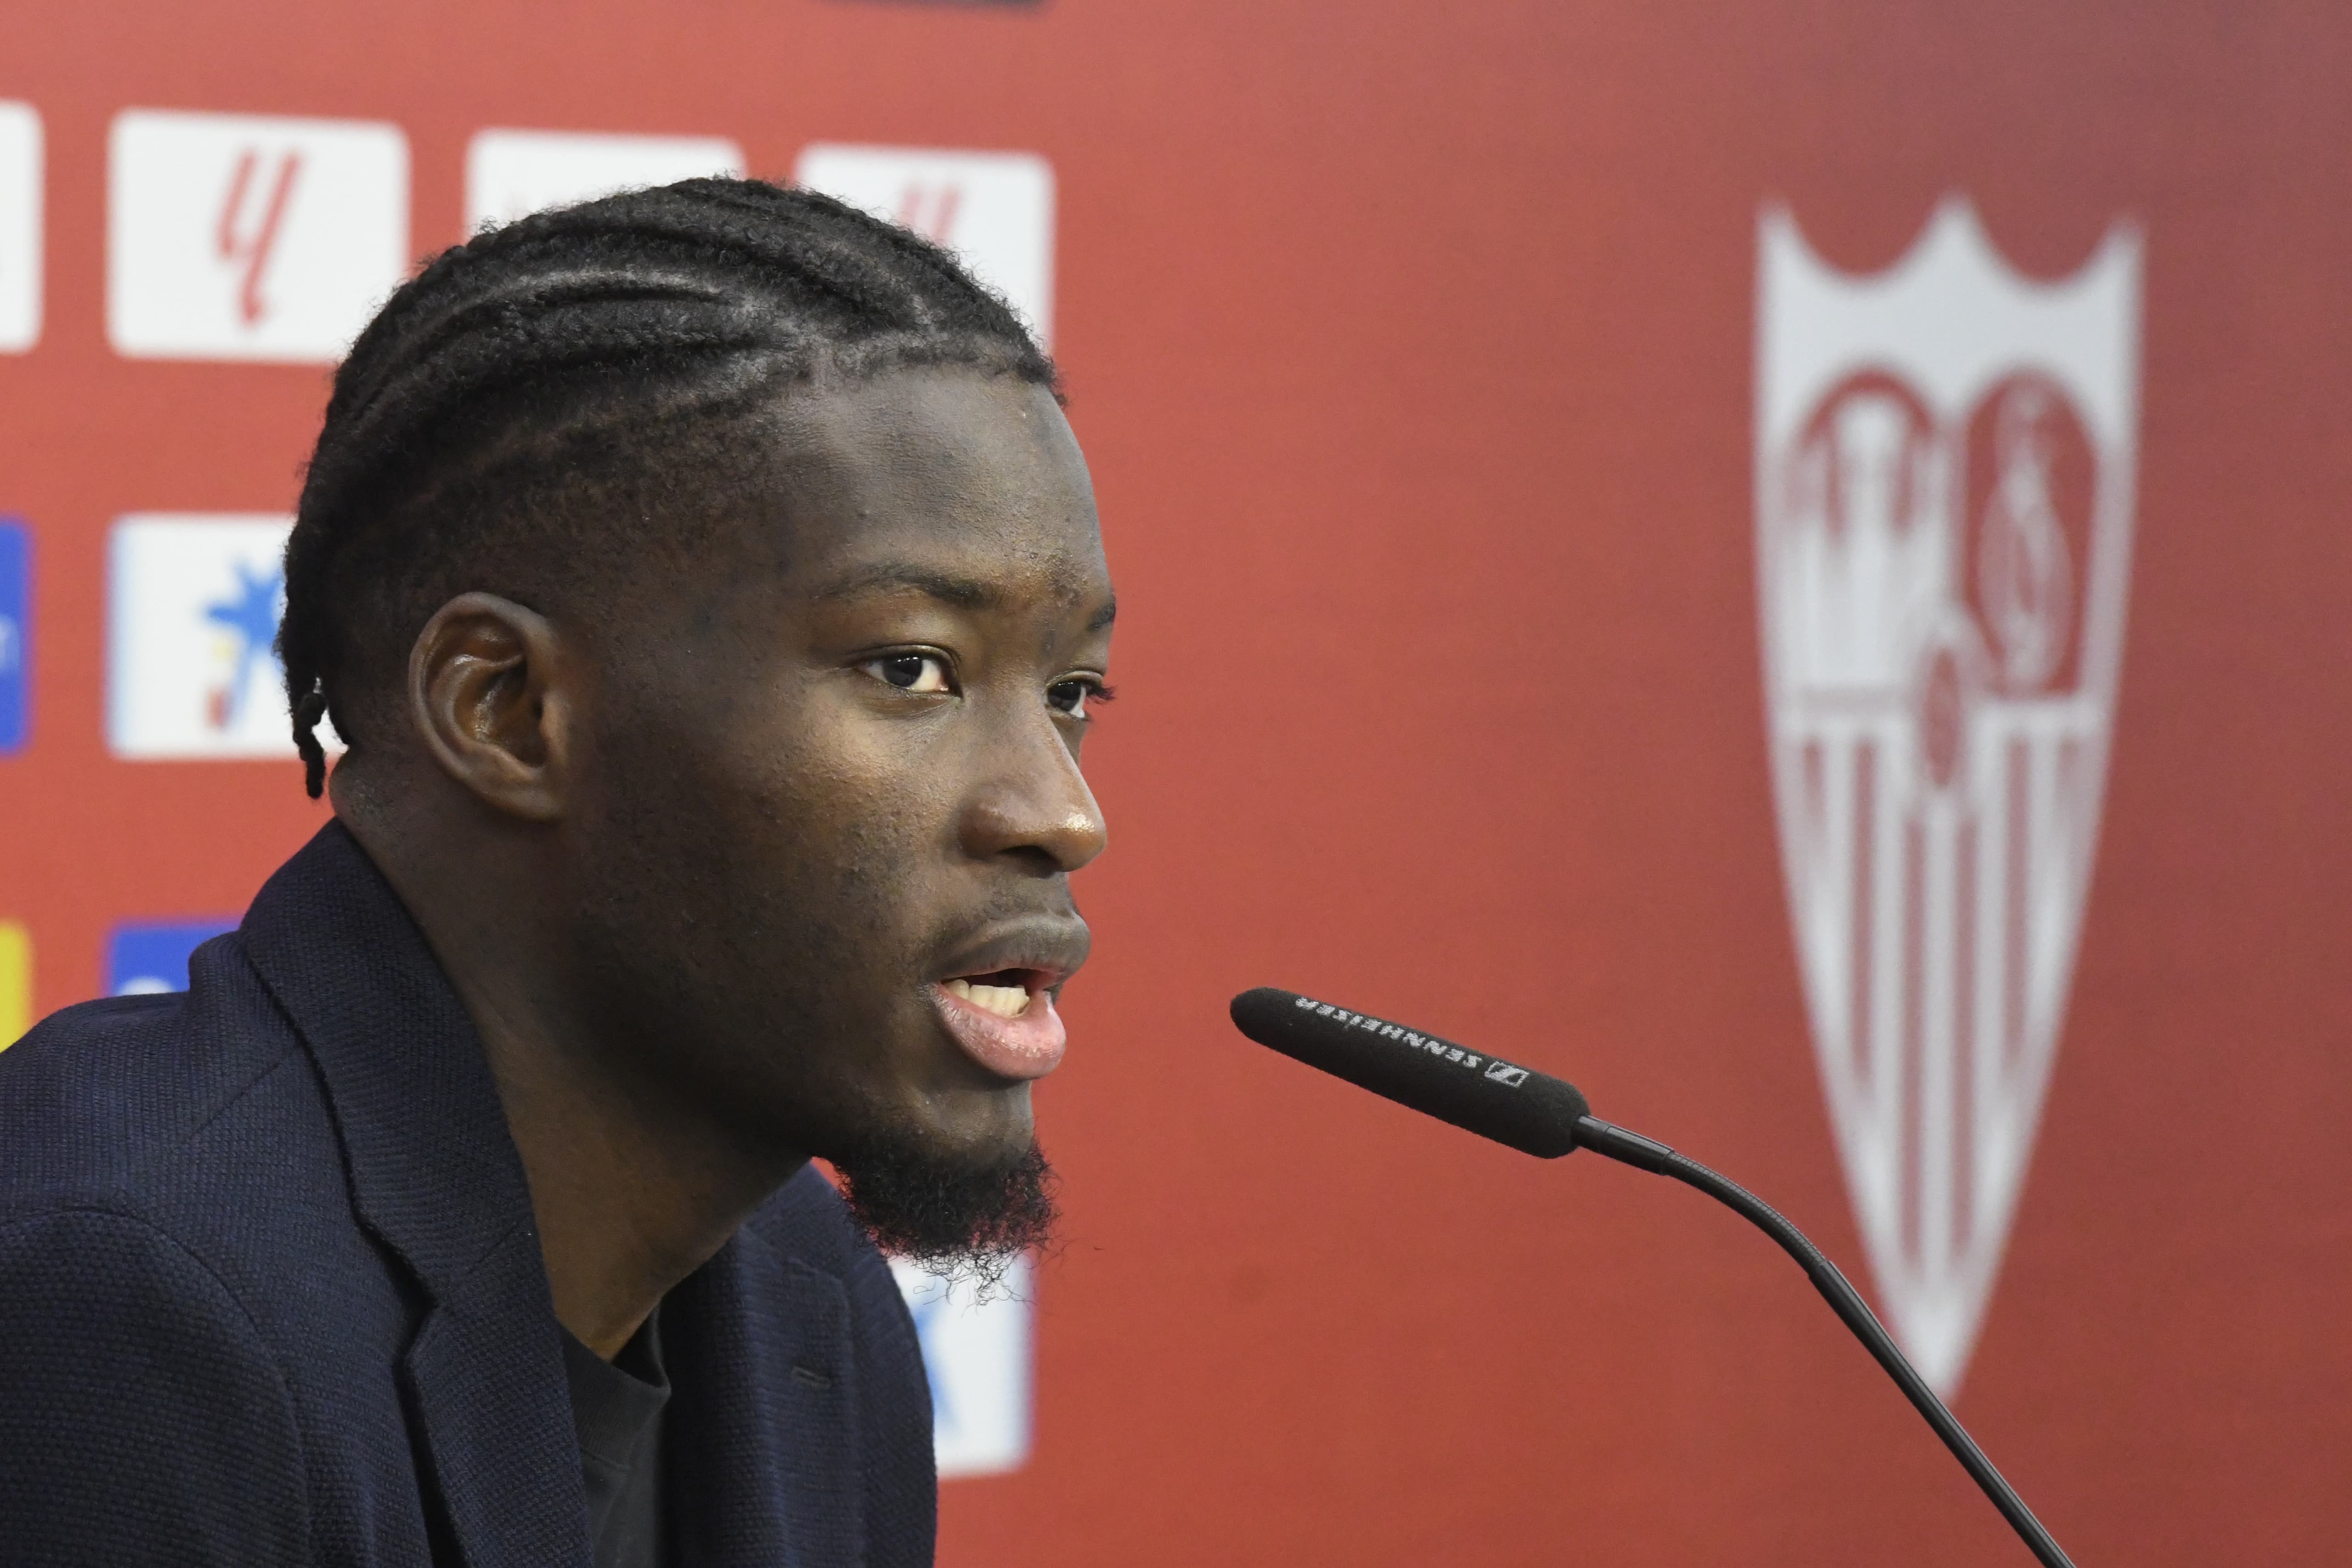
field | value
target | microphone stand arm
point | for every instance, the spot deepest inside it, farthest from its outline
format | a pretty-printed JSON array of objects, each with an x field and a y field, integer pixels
[{"x": 1632, "y": 1149}]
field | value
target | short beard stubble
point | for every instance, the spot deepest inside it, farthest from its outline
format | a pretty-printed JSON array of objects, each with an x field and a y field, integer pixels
[{"x": 955, "y": 1218}]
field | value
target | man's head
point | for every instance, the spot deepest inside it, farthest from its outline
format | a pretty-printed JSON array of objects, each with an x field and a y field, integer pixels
[{"x": 713, "y": 571}]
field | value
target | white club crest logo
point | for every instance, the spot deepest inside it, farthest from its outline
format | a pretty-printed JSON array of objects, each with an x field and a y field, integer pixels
[{"x": 1944, "y": 513}]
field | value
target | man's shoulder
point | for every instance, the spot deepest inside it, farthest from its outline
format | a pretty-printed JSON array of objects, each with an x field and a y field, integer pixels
[
  {"x": 109, "y": 1099},
  {"x": 174, "y": 1193}
]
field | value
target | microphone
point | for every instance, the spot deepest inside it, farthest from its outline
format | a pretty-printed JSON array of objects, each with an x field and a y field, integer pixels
[
  {"x": 1546, "y": 1117},
  {"x": 1487, "y": 1094}
]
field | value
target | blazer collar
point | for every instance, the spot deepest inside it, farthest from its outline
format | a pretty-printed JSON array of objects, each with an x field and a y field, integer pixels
[
  {"x": 436, "y": 1177},
  {"x": 433, "y": 1170}
]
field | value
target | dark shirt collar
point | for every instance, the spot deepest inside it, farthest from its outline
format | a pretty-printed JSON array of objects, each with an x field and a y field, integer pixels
[
  {"x": 616, "y": 1409},
  {"x": 614, "y": 1402}
]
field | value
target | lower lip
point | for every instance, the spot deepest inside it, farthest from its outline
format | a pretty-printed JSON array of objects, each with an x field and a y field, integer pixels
[{"x": 1027, "y": 1046}]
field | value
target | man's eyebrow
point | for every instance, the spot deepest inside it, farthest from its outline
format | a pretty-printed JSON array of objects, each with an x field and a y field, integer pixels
[{"x": 964, "y": 593}]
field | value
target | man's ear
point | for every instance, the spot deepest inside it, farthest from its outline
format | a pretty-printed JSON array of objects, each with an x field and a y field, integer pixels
[{"x": 487, "y": 690}]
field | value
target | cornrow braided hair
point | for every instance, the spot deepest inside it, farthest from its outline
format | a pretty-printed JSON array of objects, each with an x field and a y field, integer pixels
[{"x": 556, "y": 395}]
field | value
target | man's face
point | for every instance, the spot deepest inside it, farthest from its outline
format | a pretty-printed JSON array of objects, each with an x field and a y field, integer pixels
[{"x": 828, "y": 799}]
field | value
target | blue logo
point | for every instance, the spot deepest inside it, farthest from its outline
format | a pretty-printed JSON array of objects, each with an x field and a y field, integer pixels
[
  {"x": 145, "y": 958},
  {"x": 16, "y": 634}
]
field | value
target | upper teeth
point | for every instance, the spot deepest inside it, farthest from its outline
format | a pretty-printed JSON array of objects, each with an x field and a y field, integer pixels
[{"x": 1005, "y": 1001}]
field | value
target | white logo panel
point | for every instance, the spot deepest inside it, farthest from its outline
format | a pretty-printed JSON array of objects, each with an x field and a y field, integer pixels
[
  {"x": 512, "y": 172},
  {"x": 1945, "y": 459},
  {"x": 976, "y": 1354},
  {"x": 248, "y": 237},
  {"x": 193, "y": 606},
  {"x": 994, "y": 210},
  {"x": 20, "y": 227}
]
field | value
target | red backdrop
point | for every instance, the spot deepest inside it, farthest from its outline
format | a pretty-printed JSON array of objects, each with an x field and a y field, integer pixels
[{"x": 1413, "y": 347}]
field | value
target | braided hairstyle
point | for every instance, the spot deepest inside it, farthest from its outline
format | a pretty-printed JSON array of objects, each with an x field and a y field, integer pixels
[{"x": 572, "y": 392}]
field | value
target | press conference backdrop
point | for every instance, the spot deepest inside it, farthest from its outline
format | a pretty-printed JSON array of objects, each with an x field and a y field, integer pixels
[{"x": 1788, "y": 563}]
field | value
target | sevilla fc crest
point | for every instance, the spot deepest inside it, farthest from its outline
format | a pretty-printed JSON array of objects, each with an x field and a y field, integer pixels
[{"x": 1944, "y": 515}]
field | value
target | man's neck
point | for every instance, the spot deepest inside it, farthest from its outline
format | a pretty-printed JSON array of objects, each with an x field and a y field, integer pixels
[{"x": 632, "y": 1190}]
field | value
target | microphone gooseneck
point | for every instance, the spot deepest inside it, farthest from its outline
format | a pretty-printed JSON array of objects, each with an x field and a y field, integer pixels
[{"x": 1544, "y": 1116}]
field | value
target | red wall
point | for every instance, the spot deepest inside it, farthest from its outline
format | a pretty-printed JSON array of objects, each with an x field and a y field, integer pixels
[{"x": 1413, "y": 349}]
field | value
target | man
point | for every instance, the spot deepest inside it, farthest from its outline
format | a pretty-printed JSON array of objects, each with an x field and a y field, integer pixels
[{"x": 707, "y": 589}]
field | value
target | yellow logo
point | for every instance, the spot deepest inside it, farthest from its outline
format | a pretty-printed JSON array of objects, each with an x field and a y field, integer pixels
[{"x": 15, "y": 983}]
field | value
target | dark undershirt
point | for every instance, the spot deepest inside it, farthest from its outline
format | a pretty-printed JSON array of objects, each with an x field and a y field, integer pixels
[{"x": 617, "y": 1408}]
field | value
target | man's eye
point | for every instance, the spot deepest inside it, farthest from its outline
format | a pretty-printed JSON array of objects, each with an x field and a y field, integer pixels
[
  {"x": 1071, "y": 696},
  {"x": 917, "y": 672}
]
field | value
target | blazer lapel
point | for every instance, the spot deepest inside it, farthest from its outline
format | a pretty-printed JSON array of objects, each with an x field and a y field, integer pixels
[
  {"x": 763, "y": 1431},
  {"x": 497, "y": 1421},
  {"x": 436, "y": 1177}
]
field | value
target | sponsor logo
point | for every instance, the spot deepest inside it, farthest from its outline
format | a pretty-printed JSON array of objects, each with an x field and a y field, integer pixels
[
  {"x": 143, "y": 958},
  {"x": 192, "y": 605},
  {"x": 1445, "y": 1050},
  {"x": 510, "y": 172},
  {"x": 15, "y": 635},
  {"x": 249, "y": 238},
  {"x": 1945, "y": 460},
  {"x": 20, "y": 227},
  {"x": 15, "y": 983},
  {"x": 994, "y": 210},
  {"x": 976, "y": 1353}
]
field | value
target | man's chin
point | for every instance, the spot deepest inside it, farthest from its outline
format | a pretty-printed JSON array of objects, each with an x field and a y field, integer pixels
[{"x": 952, "y": 1215}]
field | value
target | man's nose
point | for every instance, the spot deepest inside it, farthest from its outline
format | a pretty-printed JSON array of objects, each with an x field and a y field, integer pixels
[{"x": 1034, "y": 805}]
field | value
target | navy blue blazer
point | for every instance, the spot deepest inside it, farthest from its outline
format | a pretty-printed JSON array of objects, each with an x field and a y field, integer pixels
[{"x": 271, "y": 1292}]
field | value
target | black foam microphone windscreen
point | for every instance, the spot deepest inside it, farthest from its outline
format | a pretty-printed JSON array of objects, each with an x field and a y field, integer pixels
[{"x": 1518, "y": 1106}]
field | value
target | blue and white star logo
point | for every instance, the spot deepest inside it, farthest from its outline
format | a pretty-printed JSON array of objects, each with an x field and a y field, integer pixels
[
  {"x": 192, "y": 605},
  {"x": 250, "y": 616}
]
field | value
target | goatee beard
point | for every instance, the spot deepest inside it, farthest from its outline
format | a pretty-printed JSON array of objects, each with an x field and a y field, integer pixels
[{"x": 956, "y": 1219}]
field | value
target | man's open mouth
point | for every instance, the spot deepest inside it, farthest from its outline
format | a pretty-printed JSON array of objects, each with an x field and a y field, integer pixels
[
  {"x": 1004, "y": 993},
  {"x": 1003, "y": 1019}
]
